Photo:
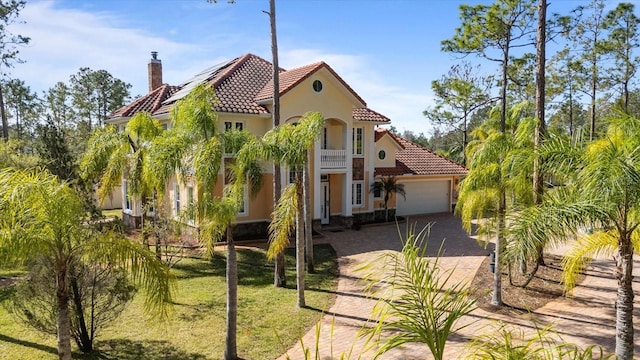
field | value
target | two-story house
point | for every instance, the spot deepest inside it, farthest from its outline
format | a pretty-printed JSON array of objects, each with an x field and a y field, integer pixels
[{"x": 343, "y": 161}]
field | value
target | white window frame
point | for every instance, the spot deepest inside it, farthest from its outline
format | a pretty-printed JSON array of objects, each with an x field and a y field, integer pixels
[
  {"x": 354, "y": 194},
  {"x": 357, "y": 132},
  {"x": 127, "y": 201},
  {"x": 176, "y": 199},
  {"x": 244, "y": 208}
]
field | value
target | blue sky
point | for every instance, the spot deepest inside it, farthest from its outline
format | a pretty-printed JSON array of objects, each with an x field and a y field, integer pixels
[{"x": 388, "y": 51}]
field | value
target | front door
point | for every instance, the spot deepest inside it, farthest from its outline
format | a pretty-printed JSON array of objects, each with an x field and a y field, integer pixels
[{"x": 324, "y": 204}]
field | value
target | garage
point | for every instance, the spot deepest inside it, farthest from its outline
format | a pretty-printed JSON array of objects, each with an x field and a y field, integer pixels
[{"x": 424, "y": 197}]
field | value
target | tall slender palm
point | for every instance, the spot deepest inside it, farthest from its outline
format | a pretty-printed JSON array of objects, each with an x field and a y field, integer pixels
[
  {"x": 288, "y": 145},
  {"x": 602, "y": 193},
  {"x": 194, "y": 148},
  {"x": 44, "y": 219},
  {"x": 389, "y": 186}
]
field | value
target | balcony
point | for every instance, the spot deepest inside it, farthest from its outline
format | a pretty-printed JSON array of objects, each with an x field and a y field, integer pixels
[{"x": 333, "y": 159}]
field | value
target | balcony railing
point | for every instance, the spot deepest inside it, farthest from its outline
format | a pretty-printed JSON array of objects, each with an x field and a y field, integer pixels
[{"x": 332, "y": 159}]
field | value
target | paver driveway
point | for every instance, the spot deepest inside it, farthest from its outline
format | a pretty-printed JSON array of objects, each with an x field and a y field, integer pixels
[{"x": 587, "y": 319}]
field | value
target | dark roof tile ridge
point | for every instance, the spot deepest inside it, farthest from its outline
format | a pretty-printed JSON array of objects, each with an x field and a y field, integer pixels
[{"x": 429, "y": 151}]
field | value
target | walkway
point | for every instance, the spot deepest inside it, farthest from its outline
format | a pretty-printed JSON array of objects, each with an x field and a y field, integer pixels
[{"x": 586, "y": 319}]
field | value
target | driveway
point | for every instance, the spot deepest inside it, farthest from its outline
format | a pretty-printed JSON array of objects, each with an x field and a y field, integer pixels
[{"x": 587, "y": 319}]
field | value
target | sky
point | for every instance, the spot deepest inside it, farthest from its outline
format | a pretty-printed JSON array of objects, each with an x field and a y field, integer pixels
[{"x": 387, "y": 51}]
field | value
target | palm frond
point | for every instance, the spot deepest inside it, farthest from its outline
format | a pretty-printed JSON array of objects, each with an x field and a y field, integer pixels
[
  {"x": 283, "y": 221},
  {"x": 586, "y": 248},
  {"x": 418, "y": 303},
  {"x": 143, "y": 266}
]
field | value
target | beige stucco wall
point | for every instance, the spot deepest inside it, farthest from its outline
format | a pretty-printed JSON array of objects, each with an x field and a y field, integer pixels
[
  {"x": 112, "y": 201},
  {"x": 334, "y": 101},
  {"x": 389, "y": 146}
]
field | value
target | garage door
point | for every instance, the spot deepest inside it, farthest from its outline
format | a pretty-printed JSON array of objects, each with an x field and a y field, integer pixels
[{"x": 424, "y": 197}]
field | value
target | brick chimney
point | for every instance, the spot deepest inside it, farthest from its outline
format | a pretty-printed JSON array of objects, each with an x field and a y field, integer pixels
[{"x": 155, "y": 72}]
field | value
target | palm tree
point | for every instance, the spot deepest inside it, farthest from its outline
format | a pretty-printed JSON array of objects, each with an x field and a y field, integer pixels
[
  {"x": 602, "y": 193},
  {"x": 497, "y": 168},
  {"x": 194, "y": 148},
  {"x": 389, "y": 186},
  {"x": 112, "y": 156},
  {"x": 44, "y": 219},
  {"x": 288, "y": 145}
]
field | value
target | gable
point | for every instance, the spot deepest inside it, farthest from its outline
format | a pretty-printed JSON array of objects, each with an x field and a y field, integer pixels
[
  {"x": 413, "y": 159},
  {"x": 390, "y": 148},
  {"x": 320, "y": 91}
]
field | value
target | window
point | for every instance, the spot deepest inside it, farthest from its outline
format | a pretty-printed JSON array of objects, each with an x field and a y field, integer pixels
[
  {"x": 191, "y": 214},
  {"x": 228, "y": 179},
  {"x": 382, "y": 154},
  {"x": 176, "y": 198},
  {"x": 317, "y": 86},
  {"x": 165, "y": 126},
  {"x": 293, "y": 174},
  {"x": 128, "y": 204},
  {"x": 377, "y": 190},
  {"x": 229, "y": 125},
  {"x": 358, "y": 137},
  {"x": 357, "y": 194},
  {"x": 151, "y": 204}
]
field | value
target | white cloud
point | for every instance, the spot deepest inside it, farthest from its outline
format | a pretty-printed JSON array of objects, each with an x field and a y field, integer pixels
[{"x": 64, "y": 40}]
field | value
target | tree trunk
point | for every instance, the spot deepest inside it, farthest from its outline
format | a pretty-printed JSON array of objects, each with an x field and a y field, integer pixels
[
  {"x": 64, "y": 320},
  {"x": 503, "y": 91},
  {"x": 624, "y": 302},
  {"x": 464, "y": 140},
  {"x": 496, "y": 296},
  {"x": 85, "y": 342},
  {"x": 3, "y": 115},
  {"x": 594, "y": 88},
  {"x": 279, "y": 278},
  {"x": 231, "y": 351},
  {"x": 540, "y": 129},
  {"x": 300, "y": 243},
  {"x": 308, "y": 228}
]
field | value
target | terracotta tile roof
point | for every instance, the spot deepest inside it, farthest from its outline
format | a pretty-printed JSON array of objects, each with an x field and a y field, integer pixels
[
  {"x": 416, "y": 160},
  {"x": 240, "y": 85},
  {"x": 236, "y": 83},
  {"x": 290, "y": 78},
  {"x": 149, "y": 103},
  {"x": 365, "y": 114}
]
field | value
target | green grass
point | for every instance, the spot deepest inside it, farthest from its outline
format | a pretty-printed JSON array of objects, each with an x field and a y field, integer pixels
[{"x": 196, "y": 329}]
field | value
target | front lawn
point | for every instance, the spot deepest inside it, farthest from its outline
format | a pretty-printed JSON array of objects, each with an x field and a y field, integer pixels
[{"x": 196, "y": 329}]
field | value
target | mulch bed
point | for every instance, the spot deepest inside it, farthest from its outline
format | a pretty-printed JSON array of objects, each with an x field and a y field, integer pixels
[{"x": 545, "y": 287}]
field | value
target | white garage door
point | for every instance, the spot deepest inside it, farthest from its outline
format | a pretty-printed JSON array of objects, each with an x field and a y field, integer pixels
[{"x": 424, "y": 197}]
